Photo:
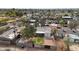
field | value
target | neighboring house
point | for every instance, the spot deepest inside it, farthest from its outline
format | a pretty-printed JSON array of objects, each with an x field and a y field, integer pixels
[
  {"x": 8, "y": 37},
  {"x": 44, "y": 31},
  {"x": 73, "y": 38},
  {"x": 6, "y": 40},
  {"x": 67, "y": 18},
  {"x": 29, "y": 15},
  {"x": 54, "y": 25},
  {"x": 32, "y": 21}
]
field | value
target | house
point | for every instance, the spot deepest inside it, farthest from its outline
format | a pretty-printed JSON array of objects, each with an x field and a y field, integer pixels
[
  {"x": 43, "y": 31},
  {"x": 32, "y": 21},
  {"x": 73, "y": 38},
  {"x": 4, "y": 40},
  {"x": 8, "y": 37},
  {"x": 67, "y": 18},
  {"x": 52, "y": 45},
  {"x": 53, "y": 25}
]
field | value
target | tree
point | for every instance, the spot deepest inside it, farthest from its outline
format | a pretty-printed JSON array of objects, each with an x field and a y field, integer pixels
[
  {"x": 11, "y": 13},
  {"x": 73, "y": 25},
  {"x": 62, "y": 22},
  {"x": 28, "y": 32},
  {"x": 54, "y": 32},
  {"x": 19, "y": 13},
  {"x": 24, "y": 21},
  {"x": 67, "y": 42}
]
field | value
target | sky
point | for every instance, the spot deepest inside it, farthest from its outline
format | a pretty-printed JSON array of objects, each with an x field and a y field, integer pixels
[{"x": 39, "y": 4}]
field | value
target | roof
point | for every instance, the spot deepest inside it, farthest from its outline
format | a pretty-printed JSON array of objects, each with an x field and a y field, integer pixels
[
  {"x": 8, "y": 37},
  {"x": 73, "y": 36},
  {"x": 32, "y": 20},
  {"x": 66, "y": 17},
  {"x": 54, "y": 25},
  {"x": 43, "y": 30},
  {"x": 11, "y": 36},
  {"x": 8, "y": 34},
  {"x": 31, "y": 23},
  {"x": 4, "y": 38},
  {"x": 40, "y": 32}
]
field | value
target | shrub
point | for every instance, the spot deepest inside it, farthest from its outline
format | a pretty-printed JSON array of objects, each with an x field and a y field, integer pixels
[{"x": 38, "y": 40}]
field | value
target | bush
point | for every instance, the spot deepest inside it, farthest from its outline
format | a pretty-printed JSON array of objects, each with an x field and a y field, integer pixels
[
  {"x": 28, "y": 32},
  {"x": 38, "y": 40}
]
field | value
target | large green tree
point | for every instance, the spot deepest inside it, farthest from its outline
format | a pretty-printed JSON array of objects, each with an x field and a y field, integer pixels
[{"x": 28, "y": 32}]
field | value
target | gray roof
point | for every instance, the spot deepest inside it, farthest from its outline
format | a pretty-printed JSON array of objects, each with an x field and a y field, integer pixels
[
  {"x": 8, "y": 35},
  {"x": 73, "y": 36},
  {"x": 66, "y": 17},
  {"x": 43, "y": 30},
  {"x": 4, "y": 38}
]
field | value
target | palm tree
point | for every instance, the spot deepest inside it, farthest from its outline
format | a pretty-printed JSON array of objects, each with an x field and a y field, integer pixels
[
  {"x": 54, "y": 32},
  {"x": 67, "y": 44}
]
